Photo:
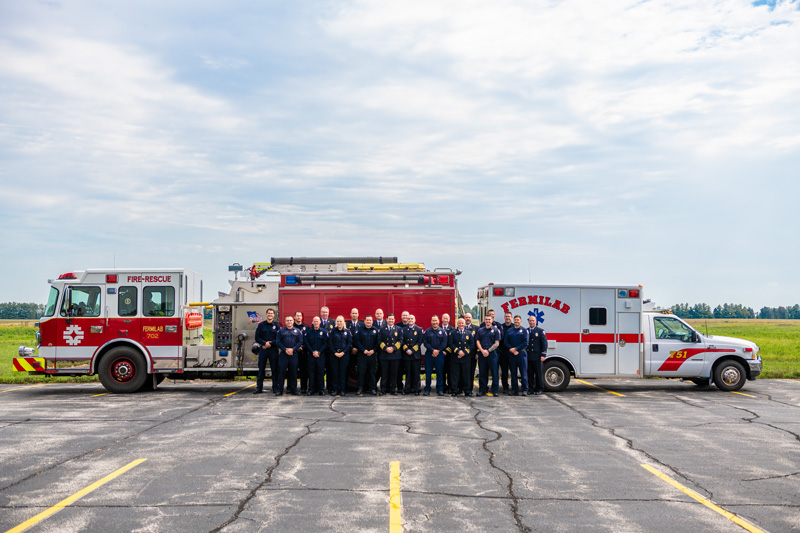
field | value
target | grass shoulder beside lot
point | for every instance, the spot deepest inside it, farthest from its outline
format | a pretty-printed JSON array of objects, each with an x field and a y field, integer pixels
[{"x": 779, "y": 341}]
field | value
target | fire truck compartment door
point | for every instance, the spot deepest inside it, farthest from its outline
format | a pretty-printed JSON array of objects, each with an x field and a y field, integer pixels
[{"x": 598, "y": 346}]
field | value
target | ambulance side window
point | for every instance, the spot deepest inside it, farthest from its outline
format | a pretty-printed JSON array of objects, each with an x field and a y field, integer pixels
[
  {"x": 85, "y": 302},
  {"x": 159, "y": 301},
  {"x": 127, "y": 302},
  {"x": 670, "y": 328},
  {"x": 598, "y": 316}
]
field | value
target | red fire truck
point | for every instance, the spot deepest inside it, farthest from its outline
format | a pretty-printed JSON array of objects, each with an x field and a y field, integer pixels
[{"x": 135, "y": 327}]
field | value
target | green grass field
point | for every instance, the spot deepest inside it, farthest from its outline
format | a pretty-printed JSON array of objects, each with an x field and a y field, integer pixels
[{"x": 779, "y": 341}]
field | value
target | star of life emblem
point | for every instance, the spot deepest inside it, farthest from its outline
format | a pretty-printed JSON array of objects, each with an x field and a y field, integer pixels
[{"x": 73, "y": 335}]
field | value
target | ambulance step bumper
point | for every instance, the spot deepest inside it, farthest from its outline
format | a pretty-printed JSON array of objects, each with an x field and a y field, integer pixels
[
  {"x": 29, "y": 364},
  {"x": 755, "y": 369}
]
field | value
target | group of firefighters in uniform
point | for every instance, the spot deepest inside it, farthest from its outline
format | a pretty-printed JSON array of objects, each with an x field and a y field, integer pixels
[{"x": 381, "y": 348}]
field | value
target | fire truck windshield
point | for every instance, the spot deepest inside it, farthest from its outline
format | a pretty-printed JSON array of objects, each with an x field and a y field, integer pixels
[{"x": 52, "y": 301}]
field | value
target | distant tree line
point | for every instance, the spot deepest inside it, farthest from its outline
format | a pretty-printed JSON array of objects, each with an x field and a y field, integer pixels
[
  {"x": 21, "y": 311},
  {"x": 734, "y": 311}
]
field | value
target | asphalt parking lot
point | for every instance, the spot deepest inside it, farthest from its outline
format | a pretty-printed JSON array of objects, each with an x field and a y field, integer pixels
[{"x": 609, "y": 455}]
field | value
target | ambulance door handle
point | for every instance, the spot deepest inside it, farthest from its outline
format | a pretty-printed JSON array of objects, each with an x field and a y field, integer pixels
[
  {"x": 586, "y": 332},
  {"x": 655, "y": 347}
]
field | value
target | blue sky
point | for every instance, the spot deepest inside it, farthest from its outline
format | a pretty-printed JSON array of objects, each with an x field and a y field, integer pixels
[{"x": 559, "y": 142}]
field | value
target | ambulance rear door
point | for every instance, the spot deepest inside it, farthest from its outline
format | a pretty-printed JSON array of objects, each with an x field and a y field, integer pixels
[{"x": 598, "y": 328}]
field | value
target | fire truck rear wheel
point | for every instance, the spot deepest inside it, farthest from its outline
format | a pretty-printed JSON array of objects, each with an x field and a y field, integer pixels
[
  {"x": 122, "y": 370},
  {"x": 729, "y": 376},
  {"x": 556, "y": 376}
]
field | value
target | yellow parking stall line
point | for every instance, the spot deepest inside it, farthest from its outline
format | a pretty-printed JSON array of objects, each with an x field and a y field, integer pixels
[
  {"x": 708, "y": 503},
  {"x": 21, "y": 388},
  {"x": 743, "y": 394},
  {"x": 601, "y": 388},
  {"x": 101, "y": 394},
  {"x": 240, "y": 390},
  {"x": 75, "y": 497},
  {"x": 395, "y": 502}
]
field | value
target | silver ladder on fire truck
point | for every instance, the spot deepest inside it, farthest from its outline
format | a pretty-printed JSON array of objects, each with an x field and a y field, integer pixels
[{"x": 136, "y": 327}]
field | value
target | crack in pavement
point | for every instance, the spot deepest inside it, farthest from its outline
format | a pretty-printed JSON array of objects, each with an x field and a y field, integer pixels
[
  {"x": 772, "y": 477},
  {"x": 271, "y": 470},
  {"x": 513, "y": 498},
  {"x": 111, "y": 444},
  {"x": 756, "y": 416},
  {"x": 629, "y": 443},
  {"x": 407, "y": 426}
]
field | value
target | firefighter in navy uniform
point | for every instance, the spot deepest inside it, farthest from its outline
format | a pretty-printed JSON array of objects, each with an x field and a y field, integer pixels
[
  {"x": 401, "y": 326},
  {"x": 302, "y": 360},
  {"x": 473, "y": 364},
  {"x": 435, "y": 341},
  {"x": 462, "y": 345},
  {"x": 390, "y": 342},
  {"x": 488, "y": 339},
  {"x": 412, "y": 354},
  {"x": 537, "y": 351},
  {"x": 316, "y": 347},
  {"x": 340, "y": 340},
  {"x": 448, "y": 355},
  {"x": 354, "y": 324},
  {"x": 366, "y": 341},
  {"x": 327, "y": 324},
  {"x": 503, "y": 353},
  {"x": 266, "y": 332},
  {"x": 289, "y": 340},
  {"x": 517, "y": 343}
]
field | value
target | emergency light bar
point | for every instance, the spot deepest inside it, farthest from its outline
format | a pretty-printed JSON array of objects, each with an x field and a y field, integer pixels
[{"x": 68, "y": 275}]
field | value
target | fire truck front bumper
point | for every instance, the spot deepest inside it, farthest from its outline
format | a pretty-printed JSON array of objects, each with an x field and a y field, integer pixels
[{"x": 28, "y": 364}]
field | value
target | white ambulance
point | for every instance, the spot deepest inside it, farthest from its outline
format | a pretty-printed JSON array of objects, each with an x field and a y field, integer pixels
[{"x": 605, "y": 331}]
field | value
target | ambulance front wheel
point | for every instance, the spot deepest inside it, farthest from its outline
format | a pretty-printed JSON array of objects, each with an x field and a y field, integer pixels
[
  {"x": 122, "y": 370},
  {"x": 556, "y": 376},
  {"x": 729, "y": 376}
]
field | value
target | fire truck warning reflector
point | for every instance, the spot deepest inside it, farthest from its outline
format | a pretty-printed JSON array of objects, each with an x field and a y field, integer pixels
[
  {"x": 194, "y": 320},
  {"x": 29, "y": 364}
]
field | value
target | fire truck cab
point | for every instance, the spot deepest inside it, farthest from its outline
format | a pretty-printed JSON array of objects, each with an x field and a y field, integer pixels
[{"x": 606, "y": 331}]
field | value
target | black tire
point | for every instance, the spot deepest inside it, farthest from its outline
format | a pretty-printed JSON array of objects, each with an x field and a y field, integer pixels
[
  {"x": 123, "y": 370},
  {"x": 729, "y": 376},
  {"x": 556, "y": 376},
  {"x": 701, "y": 382}
]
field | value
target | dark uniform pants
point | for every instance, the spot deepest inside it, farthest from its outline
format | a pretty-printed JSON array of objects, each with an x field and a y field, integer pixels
[
  {"x": 302, "y": 369},
  {"x": 366, "y": 372},
  {"x": 535, "y": 374},
  {"x": 485, "y": 365},
  {"x": 460, "y": 380},
  {"x": 316, "y": 373},
  {"x": 389, "y": 370},
  {"x": 503, "y": 363},
  {"x": 263, "y": 359},
  {"x": 519, "y": 365},
  {"x": 434, "y": 364},
  {"x": 288, "y": 370},
  {"x": 412, "y": 375},
  {"x": 473, "y": 364},
  {"x": 275, "y": 368},
  {"x": 339, "y": 365}
]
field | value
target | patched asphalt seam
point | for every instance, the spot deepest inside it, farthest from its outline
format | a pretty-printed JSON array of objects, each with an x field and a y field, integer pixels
[{"x": 512, "y": 497}]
